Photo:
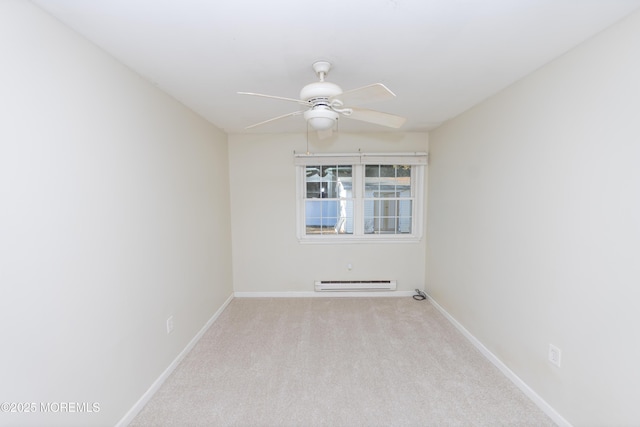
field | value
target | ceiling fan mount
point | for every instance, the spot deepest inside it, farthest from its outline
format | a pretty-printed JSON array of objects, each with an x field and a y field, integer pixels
[
  {"x": 321, "y": 68},
  {"x": 325, "y": 103}
]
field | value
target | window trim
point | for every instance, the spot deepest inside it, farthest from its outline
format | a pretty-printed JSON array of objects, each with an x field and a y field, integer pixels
[{"x": 418, "y": 161}]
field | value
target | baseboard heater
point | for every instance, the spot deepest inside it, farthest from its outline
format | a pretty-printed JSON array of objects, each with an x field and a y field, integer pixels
[{"x": 354, "y": 285}]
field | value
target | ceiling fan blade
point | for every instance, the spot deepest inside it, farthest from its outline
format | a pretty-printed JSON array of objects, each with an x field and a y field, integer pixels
[
  {"x": 295, "y": 113},
  {"x": 377, "y": 117},
  {"x": 365, "y": 94},
  {"x": 299, "y": 101}
]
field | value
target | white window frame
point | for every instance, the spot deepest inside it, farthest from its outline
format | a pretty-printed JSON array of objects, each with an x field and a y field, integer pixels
[{"x": 358, "y": 161}]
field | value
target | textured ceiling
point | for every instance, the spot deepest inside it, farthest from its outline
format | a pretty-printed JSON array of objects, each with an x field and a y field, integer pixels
[{"x": 440, "y": 57}]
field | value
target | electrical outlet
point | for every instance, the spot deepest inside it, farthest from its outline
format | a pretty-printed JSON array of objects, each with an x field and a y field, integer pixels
[
  {"x": 169, "y": 324},
  {"x": 555, "y": 355}
]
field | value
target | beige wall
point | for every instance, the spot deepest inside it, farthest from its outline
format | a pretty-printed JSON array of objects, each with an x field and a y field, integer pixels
[
  {"x": 114, "y": 215},
  {"x": 534, "y": 227},
  {"x": 267, "y": 255}
]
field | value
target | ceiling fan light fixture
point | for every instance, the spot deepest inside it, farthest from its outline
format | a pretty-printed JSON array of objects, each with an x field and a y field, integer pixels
[{"x": 321, "y": 118}]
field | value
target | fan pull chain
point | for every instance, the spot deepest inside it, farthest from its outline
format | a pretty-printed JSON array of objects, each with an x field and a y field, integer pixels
[{"x": 307, "y": 138}]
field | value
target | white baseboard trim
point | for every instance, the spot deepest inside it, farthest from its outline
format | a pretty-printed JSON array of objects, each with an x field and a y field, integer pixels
[
  {"x": 528, "y": 391},
  {"x": 131, "y": 414},
  {"x": 327, "y": 294}
]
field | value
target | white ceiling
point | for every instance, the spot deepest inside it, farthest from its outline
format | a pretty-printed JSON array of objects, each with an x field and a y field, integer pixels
[{"x": 440, "y": 57}]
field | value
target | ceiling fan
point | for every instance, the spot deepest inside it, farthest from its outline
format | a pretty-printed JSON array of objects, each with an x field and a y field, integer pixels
[{"x": 324, "y": 103}]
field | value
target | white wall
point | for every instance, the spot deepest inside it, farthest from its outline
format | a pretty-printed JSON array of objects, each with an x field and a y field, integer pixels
[
  {"x": 114, "y": 214},
  {"x": 534, "y": 227},
  {"x": 266, "y": 252}
]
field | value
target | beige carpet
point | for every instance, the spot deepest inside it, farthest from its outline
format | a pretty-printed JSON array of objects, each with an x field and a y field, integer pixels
[{"x": 336, "y": 362}]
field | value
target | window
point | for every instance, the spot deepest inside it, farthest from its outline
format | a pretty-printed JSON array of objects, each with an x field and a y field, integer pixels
[
  {"x": 360, "y": 197},
  {"x": 329, "y": 199}
]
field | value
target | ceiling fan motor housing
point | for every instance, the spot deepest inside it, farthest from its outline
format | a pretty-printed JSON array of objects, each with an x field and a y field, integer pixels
[
  {"x": 320, "y": 91},
  {"x": 320, "y": 116}
]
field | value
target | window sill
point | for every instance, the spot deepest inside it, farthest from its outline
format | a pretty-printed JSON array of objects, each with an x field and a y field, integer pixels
[{"x": 372, "y": 239}]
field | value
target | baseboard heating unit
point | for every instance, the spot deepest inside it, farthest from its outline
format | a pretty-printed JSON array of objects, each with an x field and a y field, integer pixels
[{"x": 354, "y": 285}]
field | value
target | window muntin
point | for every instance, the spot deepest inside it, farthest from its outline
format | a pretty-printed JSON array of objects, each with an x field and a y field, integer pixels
[
  {"x": 359, "y": 202},
  {"x": 388, "y": 199},
  {"x": 374, "y": 186},
  {"x": 328, "y": 199}
]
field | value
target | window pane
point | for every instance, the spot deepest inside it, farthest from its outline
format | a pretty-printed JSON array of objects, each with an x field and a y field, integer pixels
[
  {"x": 372, "y": 171},
  {"x": 404, "y": 170},
  {"x": 313, "y": 190},
  {"x": 371, "y": 186},
  {"x": 403, "y": 181},
  {"x": 388, "y": 181},
  {"x": 368, "y": 216},
  {"x": 387, "y": 203},
  {"x": 329, "y": 216},
  {"x": 313, "y": 182},
  {"x": 386, "y": 216},
  {"x": 344, "y": 224},
  {"x": 404, "y": 216},
  {"x": 371, "y": 180},
  {"x": 345, "y": 172},
  {"x": 328, "y": 182},
  {"x": 312, "y": 171},
  {"x": 403, "y": 190},
  {"x": 384, "y": 219},
  {"x": 388, "y": 171}
]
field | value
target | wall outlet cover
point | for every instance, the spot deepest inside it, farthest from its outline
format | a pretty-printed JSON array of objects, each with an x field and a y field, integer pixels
[{"x": 555, "y": 355}]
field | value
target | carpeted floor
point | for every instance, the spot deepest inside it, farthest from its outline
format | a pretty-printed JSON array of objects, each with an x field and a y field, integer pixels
[{"x": 336, "y": 362}]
